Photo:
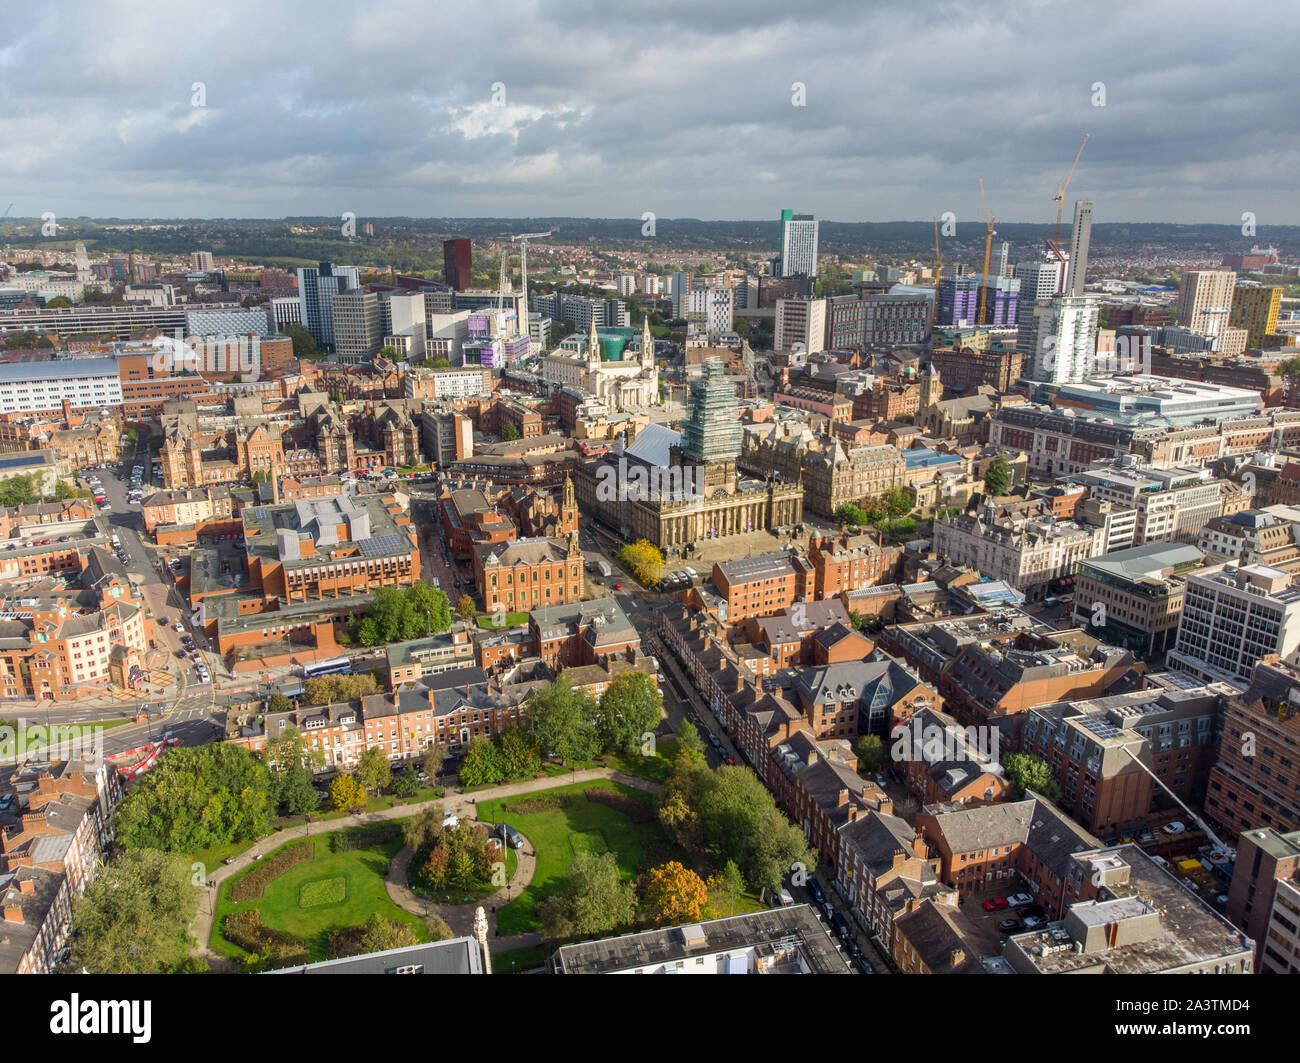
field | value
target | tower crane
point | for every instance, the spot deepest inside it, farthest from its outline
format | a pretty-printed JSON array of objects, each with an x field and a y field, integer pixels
[
  {"x": 988, "y": 246},
  {"x": 522, "y": 240},
  {"x": 1055, "y": 245}
]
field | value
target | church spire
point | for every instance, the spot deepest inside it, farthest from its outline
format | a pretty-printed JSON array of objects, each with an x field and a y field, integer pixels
[
  {"x": 647, "y": 344},
  {"x": 593, "y": 345}
]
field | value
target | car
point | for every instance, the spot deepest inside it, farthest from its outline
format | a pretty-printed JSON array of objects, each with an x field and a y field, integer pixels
[
  {"x": 717, "y": 742},
  {"x": 827, "y": 910},
  {"x": 728, "y": 759},
  {"x": 1034, "y": 910},
  {"x": 1010, "y": 926},
  {"x": 422, "y": 776},
  {"x": 6, "y": 800},
  {"x": 860, "y": 962},
  {"x": 841, "y": 926},
  {"x": 1146, "y": 836},
  {"x": 618, "y": 586},
  {"x": 450, "y": 819},
  {"x": 513, "y": 838},
  {"x": 815, "y": 888},
  {"x": 1175, "y": 827},
  {"x": 995, "y": 904},
  {"x": 1033, "y": 922},
  {"x": 180, "y": 628},
  {"x": 784, "y": 896},
  {"x": 1019, "y": 900}
]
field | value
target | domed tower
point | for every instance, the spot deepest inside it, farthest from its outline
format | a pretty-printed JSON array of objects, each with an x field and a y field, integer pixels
[
  {"x": 647, "y": 344},
  {"x": 593, "y": 347}
]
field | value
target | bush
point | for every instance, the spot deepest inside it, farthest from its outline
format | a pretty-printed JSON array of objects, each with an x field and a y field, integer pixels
[
  {"x": 365, "y": 837},
  {"x": 252, "y": 884},
  {"x": 246, "y": 930},
  {"x": 636, "y": 811},
  {"x": 530, "y": 806}
]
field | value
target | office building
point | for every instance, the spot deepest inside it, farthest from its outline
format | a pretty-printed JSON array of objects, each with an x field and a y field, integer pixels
[
  {"x": 1264, "y": 898},
  {"x": 457, "y": 263},
  {"x": 1039, "y": 281},
  {"x": 1205, "y": 300},
  {"x": 1233, "y": 617},
  {"x": 85, "y": 383},
  {"x": 317, "y": 286},
  {"x": 1140, "y": 594},
  {"x": 201, "y": 260},
  {"x": 800, "y": 325},
  {"x": 358, "y": 326},
  {"x": 798, "y": 245},
  {"x": 1065, "y": 339},
  {"x": 227, "y": 322}
]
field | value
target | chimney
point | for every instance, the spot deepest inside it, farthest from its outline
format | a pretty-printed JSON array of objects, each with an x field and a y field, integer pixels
[
  {"x": 13, "y": 914},
  {"x": 812, "y": 757},
  {"x": 28, "y": 886},
  {"x": 843, "y": 797},
  {"x": 853, "y": 813},
  {"x": 957, "y": 957}
]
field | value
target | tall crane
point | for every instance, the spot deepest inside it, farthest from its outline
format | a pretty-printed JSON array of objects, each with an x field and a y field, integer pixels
[
  {"x": 1055, "y": 245},
  {"x": 522, "y": 240},
  {"x": 988, "y": 246}
]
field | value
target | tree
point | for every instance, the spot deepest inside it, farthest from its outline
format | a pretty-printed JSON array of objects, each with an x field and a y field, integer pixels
[
  {"x": 851, "y": 514},
  {"x": 405, "y": 785},
  {"x": 509, "y": 432},
  {"x": 374, "y": 770},
  {"x": 674, "y": 894},
  {"x": 434, "y": 755},
  {"x": 277, "y": 702},
  {"x": 18, "y": 491},
  {"x": 422, "y": 830},
  {"x": 133, "y": 917},
  {"x": 898, "y": 502},
  {"x": 871, "y": 753},
  {"x": 562, "y": 721},
  {"x": 196, "y": 797},
  {"x": 726, "y": 890},
  {"x": 997, "y": 477},
  {"x": 437, "y": 929},
  {"x": 347, "y": 794},
  {"x": 376, "y": 934},
  {"x": 517, "y": 754},
  {"x": 631, "y": 706},
  {"x": 1028, "y": 772},
  {"x": 304, "y": 344},
  {"x": 432, "y": 609},
  {"x": 688, "y": 739},
  {"x": 466, "y": 609},
  {"x": 644, "y": 560},
  {"x": 461, "y": 858},
  {"x": 390, "y": 352},
  {"x": 482, "y": 765},
  {"x": 589, "y": 899}
]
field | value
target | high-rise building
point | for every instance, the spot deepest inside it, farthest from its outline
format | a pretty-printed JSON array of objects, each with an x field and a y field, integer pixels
[
  {"x": 798, "y": 245},
  {"x": 711, "y": 309},
  {"x": 711, "y": 431},
  {"x": 959, "y": 300},
  {"x": 317, "y": 286},
  {"x": 800, "y": 323},
  {"x": 1264, "y": 898},
  {"x": 1038, "y": 281},
  {"x": 358, "y": 326},
  {"x": 1001, "y": 261},
  {"x": 1205, "y": 300},
  {"x": 1080, "y": 238},
  {"x": 626, "y": 283},
  {"x": 679, "y": 284},
  {"x": 1065, "y": 339},
  {"x": 1233, "y": 616},
  {"x": 457, "y": 263},
  {"x": 1255, "y": 309},
  {"x": 201, "y": 260},
  {"x": 651, "y": 284}
]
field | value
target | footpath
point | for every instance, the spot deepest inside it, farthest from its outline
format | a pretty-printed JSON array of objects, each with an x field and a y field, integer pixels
[{"x": 459, "y": 917}]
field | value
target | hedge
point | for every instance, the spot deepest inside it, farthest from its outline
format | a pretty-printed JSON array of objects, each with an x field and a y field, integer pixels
[
  {"x": 364, "y": 837},
  {"x": 250, "y": 887},
  {"x": 530, "y": 806},
  {"x": 636, "y": 811},
  {"x": 247, "y": 930}
]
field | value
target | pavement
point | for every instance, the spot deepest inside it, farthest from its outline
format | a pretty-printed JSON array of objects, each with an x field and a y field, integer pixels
[{"x": 457, "y": 916}]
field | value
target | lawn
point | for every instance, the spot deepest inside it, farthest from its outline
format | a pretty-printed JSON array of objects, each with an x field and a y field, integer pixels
[
  {"x": 487, "y": 620},
  {"x": 556, "y": 835},
  {"x": 330, "y": 892},
  {"x": 517, "y": 961}
]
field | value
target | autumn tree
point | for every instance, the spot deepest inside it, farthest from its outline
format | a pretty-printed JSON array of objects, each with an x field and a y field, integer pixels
[
  {"x": 644, "y": 560},
  {"x": 347, "y": 794},
  {"x": 466, "y": 609},
  {"x": 673, "y": 894}
]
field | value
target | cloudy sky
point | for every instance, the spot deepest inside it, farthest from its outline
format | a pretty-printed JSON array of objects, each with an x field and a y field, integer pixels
[{"x": 682, "y": 108}]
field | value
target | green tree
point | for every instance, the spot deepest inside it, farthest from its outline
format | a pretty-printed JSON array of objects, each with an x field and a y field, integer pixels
[
  {"x": 18, "y": 491},
  {"x": 393, "y": 354},
  {"x": 997, "y": 477},
  {"x": 431, "y": 607},
  {"x": 347, "y": 794},
  {"x": 304, "y": 344},
  {"x": 509, "y": 432},
  {"x": 294, "y": 791},
  {"x": 588, "y": 900},
  {"x": 631, "y": 706},
  {"x": 898, "y": 502},
  {"x": 404, "y": 785},
  {"x": 434, "y": 755},
  {"x": 134, "y": 916},
  {"x": 871, "y": 753},
  {"x": 562, "y": 721},
  {"x": 518, "y": 755},
  {"x": 1028, "y": 772},
  {"x": 851, "y": 514},
  {"x": 374, "y": 770},
  {"x": 277, "y": 702},
  {"x": 197, "y": 797},
  {"x": 726, "y": 892},
  {"x": 689, "y": 740},
  {"x": 483, "y": 763}
]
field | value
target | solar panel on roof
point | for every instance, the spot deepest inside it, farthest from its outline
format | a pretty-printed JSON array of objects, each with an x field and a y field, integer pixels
[{"x": 380, "y": 544}]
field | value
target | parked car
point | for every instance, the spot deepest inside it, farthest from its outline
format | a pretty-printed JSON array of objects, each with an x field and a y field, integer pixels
[
  {"x": 1019, "y": 900},
  {"x": 1032, "y": 922},
  {"x": 1010, "y": 926},
  {"x": 995, "y": 904},
  {"x": 815, "y": 888},
  {"x": 841, "y": 926},
  {"x": 860, "y": 962},
  {"x": 728, "y": 759},
  {"x": 1176, "y": 827},
  {"x": 785, "y": 896},
  {"x": 513, "y": 838}
]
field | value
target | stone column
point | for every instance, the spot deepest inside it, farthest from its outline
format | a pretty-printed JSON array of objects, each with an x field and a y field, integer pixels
[{"x": 481, "y": 936}]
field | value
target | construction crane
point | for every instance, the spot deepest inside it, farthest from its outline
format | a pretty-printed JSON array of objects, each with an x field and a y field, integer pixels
[
  {"x": 522, "y": 240},
  {"x": 988, "y": 246},
  {"x": 938, "y": 270},
  {"x": 1055, "y": 245}
]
